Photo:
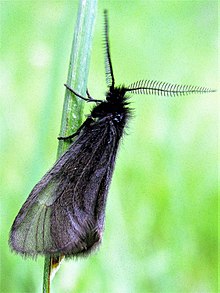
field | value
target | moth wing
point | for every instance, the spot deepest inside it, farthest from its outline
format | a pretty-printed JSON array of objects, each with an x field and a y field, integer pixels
[
  {"x": 31, "y": 230},
  {"x": 64, "y": 212}
]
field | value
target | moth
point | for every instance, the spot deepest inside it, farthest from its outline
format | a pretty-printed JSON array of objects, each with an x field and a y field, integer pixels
[{"x": 64, "y": 213}]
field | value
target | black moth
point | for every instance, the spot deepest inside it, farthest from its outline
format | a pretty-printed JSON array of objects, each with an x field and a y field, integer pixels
[{"x": 64, "y": 213}]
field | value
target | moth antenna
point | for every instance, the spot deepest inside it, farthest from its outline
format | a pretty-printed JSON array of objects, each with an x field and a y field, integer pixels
[
  {"x": 110, "y": 80},
  {"x": 150, "y": 87}
]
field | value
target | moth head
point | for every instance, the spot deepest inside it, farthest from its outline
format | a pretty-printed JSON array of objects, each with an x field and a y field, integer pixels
[{"x": 116, "y": 95}]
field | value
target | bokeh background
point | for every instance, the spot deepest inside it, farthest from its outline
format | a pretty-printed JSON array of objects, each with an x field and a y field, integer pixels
[{"x": 161, "y": 216}]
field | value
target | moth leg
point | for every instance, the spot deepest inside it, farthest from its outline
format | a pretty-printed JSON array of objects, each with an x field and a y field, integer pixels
[
  {"x": 68, "y": 137},
  {"x": 86, "y": 123},
  {"x": 89, "y": 99},
  {"x": 75, "y": 93}
]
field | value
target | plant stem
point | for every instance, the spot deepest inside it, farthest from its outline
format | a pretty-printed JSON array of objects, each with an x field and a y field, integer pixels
[{"x": 73, "y": 107}]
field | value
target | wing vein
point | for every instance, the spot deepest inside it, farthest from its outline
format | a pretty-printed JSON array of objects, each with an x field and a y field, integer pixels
[{"x": 89, "y": 161}]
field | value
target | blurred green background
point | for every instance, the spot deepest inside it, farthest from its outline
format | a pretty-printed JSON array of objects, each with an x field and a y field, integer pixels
[{"x": 161, "y": 216}]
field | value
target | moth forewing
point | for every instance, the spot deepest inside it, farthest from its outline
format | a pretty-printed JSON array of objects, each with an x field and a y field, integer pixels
[{"x": 64, "y": 213}]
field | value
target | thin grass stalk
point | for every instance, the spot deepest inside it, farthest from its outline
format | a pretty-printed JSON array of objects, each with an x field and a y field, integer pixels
[{"x": 73, "y": 107}]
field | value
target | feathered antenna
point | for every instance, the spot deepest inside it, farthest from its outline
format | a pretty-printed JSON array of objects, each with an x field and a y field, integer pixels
[
  {"x": 108, "y": 64},
  {"x": 160, "y": 88}
]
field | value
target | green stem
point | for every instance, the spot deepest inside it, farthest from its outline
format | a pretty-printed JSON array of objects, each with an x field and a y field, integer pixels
[{"x": 73, "y": 107}]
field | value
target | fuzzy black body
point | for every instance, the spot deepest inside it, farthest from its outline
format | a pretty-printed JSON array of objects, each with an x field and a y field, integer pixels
[{"x": 64, "y": 213}]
